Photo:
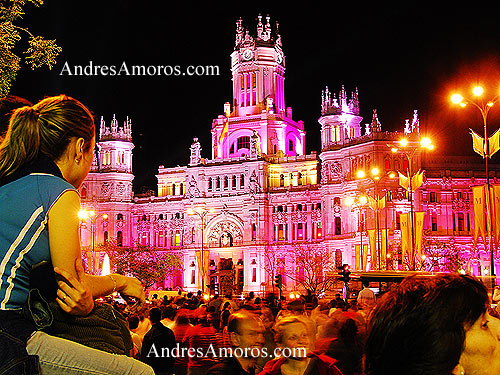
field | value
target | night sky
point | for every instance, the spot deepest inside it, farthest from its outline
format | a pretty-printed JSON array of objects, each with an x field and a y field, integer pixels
[{"x": 400, "y": 57}]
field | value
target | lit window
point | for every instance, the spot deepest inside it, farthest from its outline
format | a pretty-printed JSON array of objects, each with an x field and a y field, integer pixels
[
  {"x": 300, "y": 231},
  {"x": 177, "y": 238}
]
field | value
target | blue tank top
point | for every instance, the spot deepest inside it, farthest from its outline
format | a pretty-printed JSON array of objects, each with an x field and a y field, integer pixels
[{"x": 24, "y": 236}]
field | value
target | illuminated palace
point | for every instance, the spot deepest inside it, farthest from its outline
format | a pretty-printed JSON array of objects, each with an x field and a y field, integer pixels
[{"x": 259, "y": 192}]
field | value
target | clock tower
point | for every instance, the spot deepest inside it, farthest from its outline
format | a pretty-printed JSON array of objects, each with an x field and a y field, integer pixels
[
  {"x": 258, "y": 104},
  {"x": 258, "y": 69}
]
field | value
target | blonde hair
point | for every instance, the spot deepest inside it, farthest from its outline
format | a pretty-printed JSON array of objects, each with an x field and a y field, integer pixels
[
  {"x": 47, "y": 128},
  {"x": 280, "y": 327}
]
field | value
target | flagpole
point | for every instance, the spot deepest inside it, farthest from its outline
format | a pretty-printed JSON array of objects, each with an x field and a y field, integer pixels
[
  {"x": 488, "y": 200},
  {"x": 409, "y": 148},
  {"x": 484, "y": 108}
]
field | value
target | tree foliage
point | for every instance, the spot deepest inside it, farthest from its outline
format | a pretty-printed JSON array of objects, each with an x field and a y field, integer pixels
[
  {"x": 40, "y": 51},
  {"x": 313, "y": 267},
  {"x": 149, "y": 265},
  {"x": 438, "y": 255}
]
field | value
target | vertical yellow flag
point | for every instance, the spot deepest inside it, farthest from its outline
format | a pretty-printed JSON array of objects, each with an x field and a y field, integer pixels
[
  {"x": 478, "y": 143},
  {"x": 404, "y": 181},
  {"x": 357, "y": 249},
  {"x": 372, "y": 235},
  {"x": 365, "y": 257},
  {"x": 478, "y": 206},
  {"x": 381, "y": 203},
  {"x": 200, "y": 272},
  {"x": 383, "y": 252},
  {"x": 419, "y": 232},
  {"x": 495, "y": 203},
  {"x": 405, "y": 235},
  {"x": 224, "y": 131},
  {"x": 417, "y": 180},
  {"x": 203, "y": 268},
  {"x": 494, "y": 143}
]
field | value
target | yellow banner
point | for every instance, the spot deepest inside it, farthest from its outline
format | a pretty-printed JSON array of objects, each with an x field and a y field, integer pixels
[
  {"x": 478, "y": 143},
  {"x": 404, "y": 181},
  {"x": 494, "y": 143},
  {"x": 365, "y": 257},
  {"x": 495, "y": 204},
  {"x": 384, "y": 238},
  {"x": 377, "y": 204},
  {"x": 478, "y": 206},
  {"x": 405, "y": 235},
  {"x": 372, "y": 235},
  {"x": 419, "y": 232},
  {"x": 417, "y": 180},
  {"x": 203, "y": 269},
  {"x": 357, "y": 250}
]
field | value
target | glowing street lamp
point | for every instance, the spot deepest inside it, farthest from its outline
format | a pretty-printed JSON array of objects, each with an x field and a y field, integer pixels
[
  {"x": 486, "y": 149},
  {"x": 201, "y": 212}
]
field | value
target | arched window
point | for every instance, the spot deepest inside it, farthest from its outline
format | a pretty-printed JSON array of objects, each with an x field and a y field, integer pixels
[
  {"x": 119, "y": 217},
  {"x": 243, "y": 142},
  {"x": 290, "y": 145},
  {"x": 119, "y": 238},
  {"x": 405, "y": 164},
  {"x": 282, "y": 180},
  {"x": 396, "y": 165},
  {"x": 210, "y": 184}
]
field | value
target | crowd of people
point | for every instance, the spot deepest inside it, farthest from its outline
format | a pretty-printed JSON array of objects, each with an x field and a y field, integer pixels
[
  {"x": 280, "y": 337},
  {"x": 53, "y": 319}
]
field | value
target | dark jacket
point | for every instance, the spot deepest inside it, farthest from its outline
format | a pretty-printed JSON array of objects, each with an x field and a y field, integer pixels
[
  {"x": 14, "y": 333},
  {"x": 321, "y": 365},
  {"x": 16, "y": 327},
  {"x": 226, "y": 366},
  {"x": 161, "y": 337}
]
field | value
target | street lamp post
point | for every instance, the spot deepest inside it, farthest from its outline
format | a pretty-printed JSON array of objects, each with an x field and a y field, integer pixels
[
  {"x": 484, "y": 108},
  {"x": 358, "y": 203},
  {"x": 409, "y": 147},
  {"x": 376, "y": 179},
  {"x": 93, "y": 216},
  {"x": 201, "y": 212}
]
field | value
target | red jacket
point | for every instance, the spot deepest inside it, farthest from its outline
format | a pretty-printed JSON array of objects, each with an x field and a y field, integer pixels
[{"x": 324, "y": 364}]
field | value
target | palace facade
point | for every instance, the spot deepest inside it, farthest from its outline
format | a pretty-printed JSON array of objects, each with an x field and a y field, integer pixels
[{"x": 260, "y": 193}]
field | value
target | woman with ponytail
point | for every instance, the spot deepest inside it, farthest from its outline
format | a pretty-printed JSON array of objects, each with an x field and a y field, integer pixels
[{"x": 45, "y": 156}]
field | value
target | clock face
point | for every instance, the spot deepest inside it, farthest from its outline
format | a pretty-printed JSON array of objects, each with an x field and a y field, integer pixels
[{"x": 247, "y": 54}]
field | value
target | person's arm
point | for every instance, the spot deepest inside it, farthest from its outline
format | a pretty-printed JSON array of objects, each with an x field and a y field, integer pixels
[{"x": 76, "y": 288}]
